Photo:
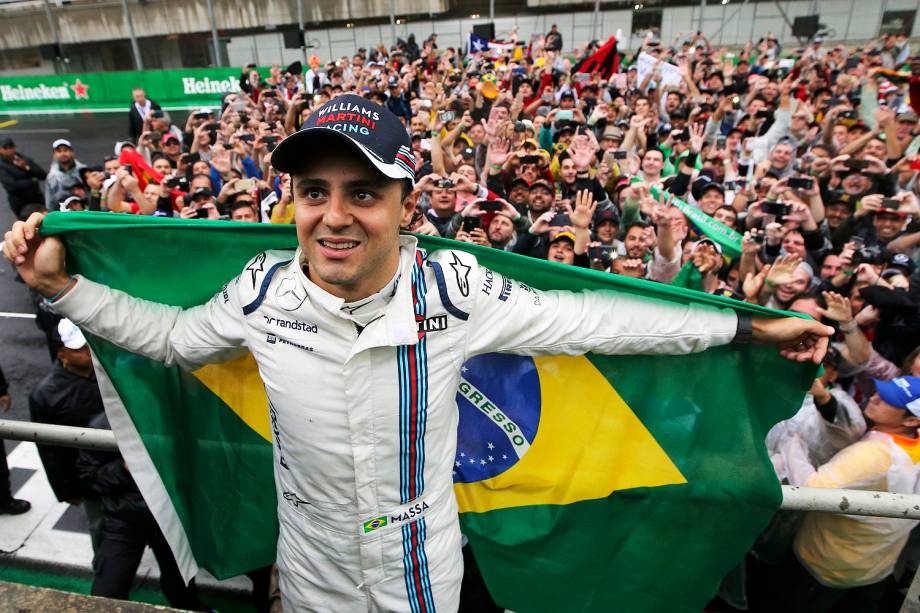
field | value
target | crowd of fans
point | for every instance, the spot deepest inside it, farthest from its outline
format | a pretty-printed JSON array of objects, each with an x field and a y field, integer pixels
[{"x": 807, "y": 157}]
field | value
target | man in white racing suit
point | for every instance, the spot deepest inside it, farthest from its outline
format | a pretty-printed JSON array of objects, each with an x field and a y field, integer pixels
[{"x": 360, "y": 338}]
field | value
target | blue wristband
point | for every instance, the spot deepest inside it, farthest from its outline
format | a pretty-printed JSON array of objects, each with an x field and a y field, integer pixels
[{"x": 67, "y": 286}]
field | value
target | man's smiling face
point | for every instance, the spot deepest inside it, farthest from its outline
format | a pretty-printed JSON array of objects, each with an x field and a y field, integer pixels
[{"x": 347, "y": 216}]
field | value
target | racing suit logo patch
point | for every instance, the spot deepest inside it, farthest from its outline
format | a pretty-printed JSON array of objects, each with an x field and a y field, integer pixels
[
  {"x": 410, "y": 512},
  {"x": 506, "y": 290},
  {"x": 374, "y": 524},
  {"x": 300, "y": 326},
  {"x": 289, "y": 295},
  {"x": 462, "y": 272},
  {"x": 257, "y": 266},
  {"x": 432, "y": 324}
]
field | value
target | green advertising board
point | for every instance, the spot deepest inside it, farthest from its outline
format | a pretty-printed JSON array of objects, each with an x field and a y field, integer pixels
[{"x": 188, "y": 88}]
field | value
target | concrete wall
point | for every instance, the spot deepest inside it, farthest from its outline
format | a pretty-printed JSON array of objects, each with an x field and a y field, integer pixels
[
  {"x": 24, "y": 24},
  {"x": 732, "y": 24}
]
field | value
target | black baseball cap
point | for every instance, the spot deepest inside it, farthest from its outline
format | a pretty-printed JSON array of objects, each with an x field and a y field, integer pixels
[
  {"x": 519, "y": 181},
  {"x": 87, "y": 169},
  {"x": 606, "y": 215},
  {"x": 370, "y": 128},
  {"x": 704, "y": 184},
  {"x": 201, "y": 192},
  {"x": 902, "y": 261},
  {"x": 6, "y": 142}
]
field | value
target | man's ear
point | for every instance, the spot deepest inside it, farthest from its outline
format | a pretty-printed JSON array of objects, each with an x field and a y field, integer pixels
[
  {"x": 408, "y": 208},
  {"x": 911, "y": 421}
]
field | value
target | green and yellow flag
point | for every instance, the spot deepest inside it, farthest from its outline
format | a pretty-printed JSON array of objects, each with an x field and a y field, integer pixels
[{"x": 590, "y": 483}]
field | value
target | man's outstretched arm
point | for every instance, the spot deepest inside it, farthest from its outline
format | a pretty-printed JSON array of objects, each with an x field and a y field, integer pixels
[
  {"x": 208, "y": 333},
  {"x": 513, "y": 318}
]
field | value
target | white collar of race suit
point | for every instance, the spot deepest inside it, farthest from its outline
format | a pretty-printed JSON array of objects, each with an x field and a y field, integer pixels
[{"x": 390, "y": 310}]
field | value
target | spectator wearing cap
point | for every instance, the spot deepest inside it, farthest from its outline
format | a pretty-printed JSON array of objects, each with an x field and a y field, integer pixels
[
  {"x": 68, "y": 396},
  {"x": 519, "y": 194},
  {"x": 21, "y": 177},
  {"x": 199, "y": 203},
  {"x": 64, "y": 165},
  {"x": 904, "y": 127},
  {"x": 396, "y": 100},
  {"x": 878, "y": 221},
  {"x": 709, "y": 194},
  {"x": 171, "y": 146},
  {"x": 540, "y": 198},
  {"x": 897, "y": 271},
  {"x": 607, "y": 228},
  {"x": 561, "y": 247},
  {"x": 71, "y": 186},
  {"x": 849, "y": 557},
  {"x": 535, "y": 241},
  {"x": 611, "y": 138},
  {"x": 837, "y": 215},
  {"x": 73, "y": 203},
  {"x": 139, "y": 112}
]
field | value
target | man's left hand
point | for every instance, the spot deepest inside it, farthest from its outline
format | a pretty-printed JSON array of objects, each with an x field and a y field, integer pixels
[{"x": 801, "y": 340}]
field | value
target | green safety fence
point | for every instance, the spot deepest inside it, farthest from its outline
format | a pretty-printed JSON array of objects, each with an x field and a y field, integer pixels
[{"x": 187, "y": 88}]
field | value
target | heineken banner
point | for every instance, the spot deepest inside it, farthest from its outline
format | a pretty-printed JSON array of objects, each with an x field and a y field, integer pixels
[{"x": 186, "y": 88}]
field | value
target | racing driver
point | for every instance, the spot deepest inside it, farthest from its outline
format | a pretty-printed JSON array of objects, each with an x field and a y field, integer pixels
[{"x": 360, "y": 337}]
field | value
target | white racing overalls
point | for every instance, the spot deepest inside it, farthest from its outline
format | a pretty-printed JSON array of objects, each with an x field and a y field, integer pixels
[{"x": 363, "y": 410}]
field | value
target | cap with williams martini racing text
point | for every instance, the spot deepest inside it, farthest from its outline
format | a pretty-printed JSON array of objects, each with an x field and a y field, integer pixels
[{"x": 370, "y": 128}]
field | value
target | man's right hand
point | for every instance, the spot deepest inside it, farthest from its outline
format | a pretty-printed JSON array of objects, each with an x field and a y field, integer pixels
[{"x": 38, "y": 260}]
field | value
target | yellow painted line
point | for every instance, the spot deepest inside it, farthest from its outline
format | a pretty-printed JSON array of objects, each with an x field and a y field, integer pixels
[{"x": 8, "y": 123}]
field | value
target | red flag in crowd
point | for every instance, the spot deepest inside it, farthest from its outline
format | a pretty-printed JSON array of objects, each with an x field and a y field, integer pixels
[
  {"x": 142, "y": 170},
  {"x": 605, "y": 60}
]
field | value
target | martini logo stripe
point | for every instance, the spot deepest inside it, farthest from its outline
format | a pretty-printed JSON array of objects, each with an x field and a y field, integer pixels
[
  {"x": 413, "y": 407},
  {"x": 409, "y": 570},
  {"x": 422, "y": 364}
]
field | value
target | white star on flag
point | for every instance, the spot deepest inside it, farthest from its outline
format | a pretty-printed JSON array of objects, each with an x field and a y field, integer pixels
[
  {"x": 491, "y": 458},
  {"x": 477, "y": 46},
  {"x": 504, "y": 457},
  {"x": 483, "y": 462},
  {"x": 491, "y": 446}
]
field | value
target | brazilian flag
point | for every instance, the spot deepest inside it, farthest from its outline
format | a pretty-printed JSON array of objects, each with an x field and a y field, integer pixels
[{"x": 589, "y": 483}]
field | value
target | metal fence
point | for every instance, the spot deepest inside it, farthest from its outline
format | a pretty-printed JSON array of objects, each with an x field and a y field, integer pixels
[
  {"x": 846, "y": 502},
  {"x": 795, "y": 498}
]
